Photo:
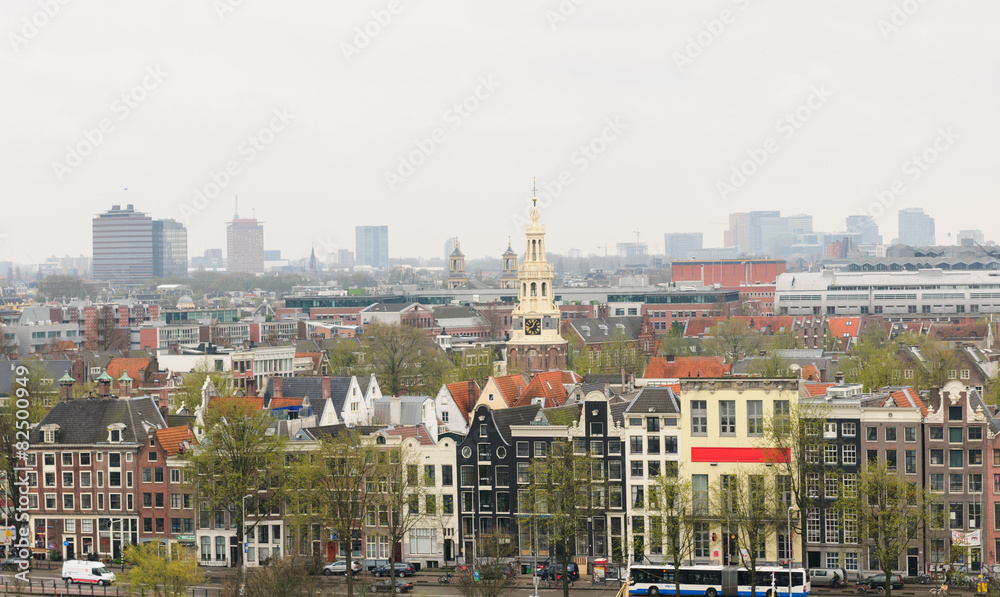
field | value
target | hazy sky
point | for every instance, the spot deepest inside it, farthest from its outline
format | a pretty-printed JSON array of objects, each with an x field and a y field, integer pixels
[{"x": 433, "y": 117}]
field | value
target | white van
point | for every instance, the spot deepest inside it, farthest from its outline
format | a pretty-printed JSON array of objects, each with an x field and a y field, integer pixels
[{"x": 80, "y": 571}]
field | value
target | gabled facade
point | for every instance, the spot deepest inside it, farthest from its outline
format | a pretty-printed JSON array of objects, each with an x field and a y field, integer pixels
[{"x": 454, "y": 402}]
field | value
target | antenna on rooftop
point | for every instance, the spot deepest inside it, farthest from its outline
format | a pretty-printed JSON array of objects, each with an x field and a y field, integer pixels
[{"x": 236, "y": 212}]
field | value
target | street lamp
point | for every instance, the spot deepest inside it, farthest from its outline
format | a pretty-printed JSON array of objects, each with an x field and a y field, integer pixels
[{"x": 789, "y": 540}]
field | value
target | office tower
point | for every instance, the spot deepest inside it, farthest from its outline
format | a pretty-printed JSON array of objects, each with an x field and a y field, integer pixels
[
  {"x": 245, "y": 246},
  {"x": 800, "y": 224},
  {"x": 372, "y": 246},
  {"x": 123, "y": 245},
  {"x": 169, "y": 249},
  {"x": 916, "y": 228},
  {"x": 973, "y": 236},
  {"x": 449, "y": 247},
  {"x": 866, "y": 227},
  {"x": 682, "y": 245}
]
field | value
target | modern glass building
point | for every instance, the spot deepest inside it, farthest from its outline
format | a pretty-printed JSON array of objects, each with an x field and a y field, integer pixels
[
  {"x": 123, "y": 245},
  {"x": 169, "y": 249},
  {"x": 372, "y": 246}
]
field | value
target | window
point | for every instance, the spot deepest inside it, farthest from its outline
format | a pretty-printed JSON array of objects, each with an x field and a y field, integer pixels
[
  {"x": 937, "y": 482},
  {"x": 911, "y": 462},
  {"x": 727, "y": 417},
  {"x": 910, "y": 434},
  {"x": 871, "y": 434},
  {"x": 755, "y": 417},
  {"x": 699, "y": 494},
  {"x": 812, "y": 485},
  {"x": 158, "y": 500},
  {"x": 937, "y": 457},
  {"x": 975, "y": 515},
  {"x": 890, "y": 459},
  {"x": 614, "y": 470},
  {"x": 175, "y": 501},
  {"x": 503, "y": 476},
  {"x": 850, "y": 453},
  {"x": 175, "y": 475},
  {"x": 652, "y": 425},
  {"x": 85, "y": 504},
  {"x": 115, "y": 501},
  {"x": 448, "y": 504},
  {"x": 812, "y": 454},
  {"x": 635, "y": 469},
  {"x": 832, "y": 525},
  {"x": 831, "y": 483},
  {"x": 848, "y": 429},
  {"x": 955, "y": 519},
  {"x": 468, "y": 475},
  {"x": 975, "y": 433},
  {"x": 147, "y": 474},
  {"x": 936, "y": 432},
  {"x": 956, "y": 458},
  {"x": 158, "y": 475},
  {"x": 67, "y": 479},
  {"x": 890, "y": 434},
  {"x": 955, "y": 435},
  {"x": 975, "y": 482},
  {"x": 670, "y": 445},
  {"x": 975, "y": 457},
  {"x": 956, "y": 483},
  {"x": 522, "y": 472},
  {"x": 850, "y": 560},
  {"x": 522, "y": 450},
  {"x": 614, "y": 447},
  {"x": 812, "y": 526},
  {"x": 67, "y": 459},
  {"x": 653, "y": 444},
  {"x": 699, "y": 417},
  {"x": 653, "y": 468},
  {"x": 541, "y": 449},
  {"x": 954, "y": 413},
  {"x": 850, "y": 485},
  {"x": 67, "y": 501},
  {"x": 635, "y": 444},
  {"x": 85, "y": 459},
  {"x": 151, "y": 456},
  {"x": 830, "y": 454}
]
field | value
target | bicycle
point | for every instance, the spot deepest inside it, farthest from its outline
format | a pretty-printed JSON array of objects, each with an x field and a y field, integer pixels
[{"x": 445, "y": 578}]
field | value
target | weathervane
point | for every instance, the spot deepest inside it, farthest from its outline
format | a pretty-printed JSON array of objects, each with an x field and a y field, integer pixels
[{"x": 534, "y": 194}]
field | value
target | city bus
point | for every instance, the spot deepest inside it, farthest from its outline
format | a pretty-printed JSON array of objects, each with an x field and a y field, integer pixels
[{"x": 713, "y": 581}]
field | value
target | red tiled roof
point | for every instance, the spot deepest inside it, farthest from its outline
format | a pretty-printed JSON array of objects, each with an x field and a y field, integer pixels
[
  {"x": 844, "y": 326},
  {"x": 952, "y": 330},
  {"x": 65, "y": 346},
  {"x": 255, "y": 402},
  {"x": 460, "y": 392},
  {"x": 817, "y": 389},
  {"x": 809, "y": 373},
  {"x": 765, "y": 324},
  {"x": 172, "y": 439},
  {"x": 511, "y": 387},
  {"x": 662, "y": 368},
  {"x": 906, "y": 397},
  {"x": 546, "y": 385},
  {"x": 315, "y": 356},
  {"x": 570, "y": 376},
  {"x": 132, "y": 366},
  {"x": 283, "y": 402},
  {"x": 417, "y": 431}
]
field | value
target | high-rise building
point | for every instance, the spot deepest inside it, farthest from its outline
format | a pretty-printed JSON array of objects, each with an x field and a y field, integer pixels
[
  {"x": 345, "y": 258},
  {"x": 682, "y": 245},
  {"x": 449, "y": 247},
  {"x": 372, "y": 246},
  {"x": 800, "y": 224},
  {"x": 123, "y": 245},
  {"x": 974, "y": 236},
  {"x": 245, "y": 246},
  {"x": 916, "y": 228},
  {"x": 633, "y": 253},
  {"x": 169, "y": 249},
  {"x": 738, "y": 234},
  {"x": 866, "y": 227}
]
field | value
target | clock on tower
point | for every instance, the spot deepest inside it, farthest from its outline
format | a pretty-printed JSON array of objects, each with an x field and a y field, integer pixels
[{"x": 533, "y": 326}]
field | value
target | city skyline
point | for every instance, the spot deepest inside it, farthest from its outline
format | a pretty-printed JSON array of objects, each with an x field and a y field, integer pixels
[{"x": 835, "y": 110}]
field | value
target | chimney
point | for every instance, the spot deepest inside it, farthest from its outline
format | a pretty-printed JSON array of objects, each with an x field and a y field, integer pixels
[
  {"x": 326, "y": 387},
  {"x": 473, "y": 392},
  {"x": 277, "y": 389},
  {"x": 66, "y": 387},
  {"x": 125, "y": 388},
  {"x": 395, "y": 410},
  {"x": 251, "y": 386},
  {"x": 839, "y": 377},
  {"x": 104, "y": 385}
]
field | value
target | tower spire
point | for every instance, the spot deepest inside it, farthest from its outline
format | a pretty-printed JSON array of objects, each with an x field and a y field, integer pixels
[{"x": 534, "y": 193}]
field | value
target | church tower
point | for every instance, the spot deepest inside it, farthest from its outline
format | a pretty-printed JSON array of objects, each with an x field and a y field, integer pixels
[
  {"x": 535, "y": 343},
  {"x": 456, "y": 269},
  {"x": 508, "y": 276}
]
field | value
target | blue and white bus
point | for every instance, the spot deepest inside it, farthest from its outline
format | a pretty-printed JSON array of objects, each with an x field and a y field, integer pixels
[{"x": 713, "y": 581}]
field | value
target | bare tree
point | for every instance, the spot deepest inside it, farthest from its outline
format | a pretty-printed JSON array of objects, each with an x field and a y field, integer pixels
[
  {"x": 746, "y": 509},
  {"x": 732, "y": 339},
  {"x": 492, "y": 576},
  {"x": 401, "y": 498},
  {"x": 673, "y": 519}
]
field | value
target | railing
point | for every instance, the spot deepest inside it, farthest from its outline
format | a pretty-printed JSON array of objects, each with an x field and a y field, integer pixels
[{"x": 45, "y": 586}]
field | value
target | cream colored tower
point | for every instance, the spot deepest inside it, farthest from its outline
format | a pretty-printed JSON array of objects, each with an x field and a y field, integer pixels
[{"x": 535, "y": 342}]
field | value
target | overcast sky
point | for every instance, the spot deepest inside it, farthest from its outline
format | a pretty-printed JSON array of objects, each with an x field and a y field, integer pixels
[{"x": 336, "y": 114}]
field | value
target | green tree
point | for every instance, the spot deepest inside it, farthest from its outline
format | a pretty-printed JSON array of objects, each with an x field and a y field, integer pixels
[
  {"x": 732, "y": 339},
  {"x": 493, "y": 554},
  {"x": 673, "y": 519},
  {"x": 404, "y": 359},
  {"x": 239, "y": 455},
  {"x": 746, "y": 510},
  {"x": 873, "y": 362},
  {"x": 566, "y": 489},
  {"x": 59, "y": 287},
  {"x": 337, "y": 486},
  {"x": 771, "y": 365},
  {"x": 347, "y": 357},
  {"x": 785, "y": 341},
  {"x": 889, "y": 514},
  {"x": 169, "y": 574},
  {"x": 189, "y": 395},
  {"x": 940, "y": 360},
  {"x": 792, "y": 437}
]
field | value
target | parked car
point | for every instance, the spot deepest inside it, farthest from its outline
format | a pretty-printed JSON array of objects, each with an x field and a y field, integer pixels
[
  {"x": 385, "y": 586},
  {"x": 827, "y": 577},
  {"x": 878, "y": 580},
  {"x": 339, "y": 567},
  {"x": 10, "y": 564},
  {"x": 556, "y": 572},
  {"x": 402, "y": 569}
]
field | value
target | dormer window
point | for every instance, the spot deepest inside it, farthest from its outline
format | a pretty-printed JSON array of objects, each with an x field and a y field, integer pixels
[
  {"x": 50, "y": 434},
  {"x": 115, "y": 433}
]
